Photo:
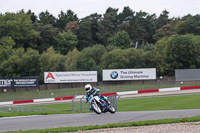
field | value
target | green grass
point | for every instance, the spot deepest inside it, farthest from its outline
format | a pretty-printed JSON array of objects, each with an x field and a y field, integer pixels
[
  {"x": 62, "y": 107},
  {"x": 129, "y": 124},
  {"x": 26, "y": 95},
  {"x": 160, "y": 103},
  {"x": 123, "y": 105},
  {"x": 140, "y": 104}
]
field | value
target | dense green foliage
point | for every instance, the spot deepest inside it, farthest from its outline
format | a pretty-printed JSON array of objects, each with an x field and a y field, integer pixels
[{"x": 31, "y": 45}]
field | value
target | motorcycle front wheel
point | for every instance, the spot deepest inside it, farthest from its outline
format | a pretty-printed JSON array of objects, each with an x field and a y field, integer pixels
[
  {"x": 111, "y": 109},
  {"x": 96, "y": 108}
]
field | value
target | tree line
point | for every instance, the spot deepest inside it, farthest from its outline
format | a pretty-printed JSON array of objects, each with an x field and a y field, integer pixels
[{"x": 31, "y": 45}]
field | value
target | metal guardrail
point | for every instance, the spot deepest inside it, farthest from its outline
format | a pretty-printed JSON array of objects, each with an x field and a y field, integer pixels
[
  {"x": 113, "y": 99},
  {"x": 80, "y": 105}
]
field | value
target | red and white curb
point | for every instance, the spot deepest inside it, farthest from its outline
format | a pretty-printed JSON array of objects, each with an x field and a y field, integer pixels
[
  {"x": 105, "y": 94},
  {"x": 36, "y": 100},
  {"x": 158, "y": 90}
]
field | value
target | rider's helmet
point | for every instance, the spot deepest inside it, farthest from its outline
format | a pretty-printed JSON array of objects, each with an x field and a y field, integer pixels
[{"x": 88, "y": 88}]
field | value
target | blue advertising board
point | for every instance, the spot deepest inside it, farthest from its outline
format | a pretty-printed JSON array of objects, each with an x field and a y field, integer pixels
[{"x": 19, "y": 82}]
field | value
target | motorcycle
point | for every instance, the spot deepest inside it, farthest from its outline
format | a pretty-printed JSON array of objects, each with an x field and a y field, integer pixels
[{"x": 100, "y": 106}]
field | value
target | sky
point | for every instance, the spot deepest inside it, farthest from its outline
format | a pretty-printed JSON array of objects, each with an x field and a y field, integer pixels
[{"x": 83, "y": 8}]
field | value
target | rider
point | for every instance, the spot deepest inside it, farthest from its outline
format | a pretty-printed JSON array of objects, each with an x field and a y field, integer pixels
[{"x": 95, "y": 92}]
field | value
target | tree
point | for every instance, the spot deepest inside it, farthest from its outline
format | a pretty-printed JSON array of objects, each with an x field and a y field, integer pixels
[
  {"x": 135, "y": 31},
  {"x": 64, "y": 18},
  {"x": 85, "y": 61},
  {"x": 115, "y": 59},
  {"x": 47, "y": 18},
  {"x": 107, "y": 26},
  {"x": 165, "y": 31},
  {"x": 71, "y": 60},
  {"x": 138, "y": 58},
  {"x": 72, "y": 26},
  {"x": 7, "y": 42},
  {"x": 125, "y": 16},
  {"x": 148, "y": 25},
  {"x": 176, "y": 52},
  {"x": 196, "y": 40},
  {"x": 19, "y": 27},
  {"x": 21, "y": 63},
  {"x": 65, "y": 41},
  {"x": 33, "y": 17},
  {"x": 181, "y": 51},
  {"x": 127, "y": 58},
  {"x": 98, "y": 51},
  {"x": 188, "y": 24},
  {"x": 90, "y": 58},
  {"x": 120, "y": 39},
  {"x": 160, "y": 55},
  {"x": 85, "y": 38},
  {"x": 6, "y": 48},
  {"x": 163, "y": 19},
  {"x": 50, "y": 61},
  {"x": 95, "y": 19},
  {"x": 30, "y": 63},
  {"x": 47, "y": 36},
  {"x": 12, "y": 67}
]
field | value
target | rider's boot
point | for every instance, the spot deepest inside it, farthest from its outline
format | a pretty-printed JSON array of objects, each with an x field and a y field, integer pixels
[
  {"x": 90, "y": 108},
  {"x": 106, "y": 100}
]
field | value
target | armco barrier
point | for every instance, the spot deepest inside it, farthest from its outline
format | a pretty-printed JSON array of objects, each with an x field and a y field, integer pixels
[{"x": 104, "y": 94}]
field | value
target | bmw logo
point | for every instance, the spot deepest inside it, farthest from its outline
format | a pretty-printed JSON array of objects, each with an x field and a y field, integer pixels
[{"x": 114, "y": 75}]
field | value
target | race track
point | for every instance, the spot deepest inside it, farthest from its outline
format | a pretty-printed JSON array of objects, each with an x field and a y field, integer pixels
[{"x": 69, "y": 120}]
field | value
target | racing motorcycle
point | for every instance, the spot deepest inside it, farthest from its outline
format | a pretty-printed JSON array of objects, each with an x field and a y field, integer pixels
[{"x": 100, "y": 106}]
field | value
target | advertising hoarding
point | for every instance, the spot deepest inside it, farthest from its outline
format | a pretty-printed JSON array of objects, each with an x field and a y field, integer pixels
[
  {"x": 187, "y": 74},
  {"x": 70, "y": 77},
  {"x": 19, "y": 82},
  {"x": 129, "y": 74}
]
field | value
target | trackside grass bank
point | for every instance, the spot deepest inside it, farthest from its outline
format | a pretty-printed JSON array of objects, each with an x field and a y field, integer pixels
[
  {"x": 160, "y": 103},
  {"x": 129, "y": 124},
  {"x": 37, "y": 94},
  {"x": 123, "y": 105}
]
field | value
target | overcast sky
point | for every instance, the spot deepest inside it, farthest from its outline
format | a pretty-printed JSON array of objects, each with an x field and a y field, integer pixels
[{"x": 84, "y": 8}]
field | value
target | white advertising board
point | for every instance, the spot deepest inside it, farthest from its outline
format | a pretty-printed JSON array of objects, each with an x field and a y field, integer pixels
[
  {"x": 129, "y": 74},
  {"x": 70, "y": 77}
]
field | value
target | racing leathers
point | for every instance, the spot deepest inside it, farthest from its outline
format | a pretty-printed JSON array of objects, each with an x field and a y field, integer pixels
[{"x": 95, "y": 92}]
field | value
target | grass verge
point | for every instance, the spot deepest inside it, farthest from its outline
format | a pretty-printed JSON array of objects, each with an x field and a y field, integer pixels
[
  {"x": 37, "y": 94},
  {"x": 160, "y": 103},
  {"x": 123, "y": 105}
]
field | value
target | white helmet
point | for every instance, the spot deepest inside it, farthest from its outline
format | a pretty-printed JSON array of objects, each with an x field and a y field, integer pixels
[{"x": 88, "y": 88}]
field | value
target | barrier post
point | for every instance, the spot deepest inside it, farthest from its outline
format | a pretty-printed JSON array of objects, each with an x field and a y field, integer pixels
[{"x": 73, "y": 103}]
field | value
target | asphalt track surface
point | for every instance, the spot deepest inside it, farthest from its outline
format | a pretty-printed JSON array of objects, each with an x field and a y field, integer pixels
[{"x": 83, "y": 119}]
